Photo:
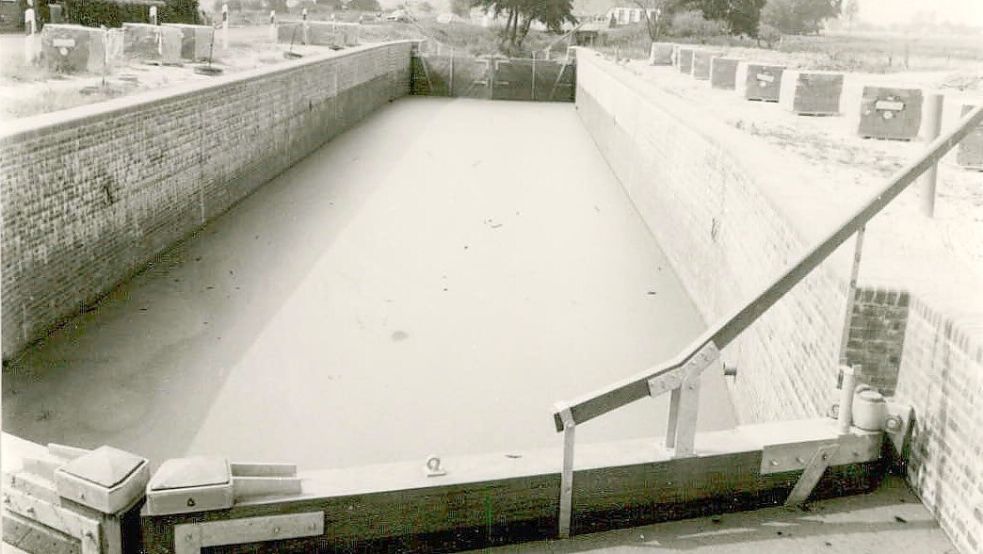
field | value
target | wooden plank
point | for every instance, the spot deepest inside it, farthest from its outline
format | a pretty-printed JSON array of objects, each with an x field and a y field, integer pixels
[
  {"x": 192, "y": 537},
  {"x": 494, "y": 499},
  {"x": 259, "y": 486},
  {"x": 56, "y": 517},
  {"x": 32, "y": 485},
  {"x": 31, "y": 536},
  {"x": 244, "y": 469},
  {"x": 592, "y": 405}
]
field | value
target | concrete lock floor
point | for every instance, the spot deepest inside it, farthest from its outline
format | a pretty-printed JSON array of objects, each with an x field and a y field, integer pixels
[{"x": 430, "y": 282}]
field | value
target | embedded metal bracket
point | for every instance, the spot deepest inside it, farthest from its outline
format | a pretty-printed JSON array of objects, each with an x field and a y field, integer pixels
[
  {"x": 684, "y": 403},
  {"x": 566, "y": 476},
  {"x": 898, "y": 425},
  {"x": 812, "y": 474},
  {"x": 190, "y": 538},
  {"x": 432, "y": 467}
]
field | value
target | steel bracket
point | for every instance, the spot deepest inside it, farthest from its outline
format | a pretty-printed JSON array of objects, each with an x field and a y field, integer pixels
[
  {"x": 684, "y": 384},
  {"x": 898, "y": 426},
  {"x": 853, "y": 448},
  {"x": 810, "y": 477},
  {"x": 566, "y": 475},
  {"x": 190, "y": 538}
]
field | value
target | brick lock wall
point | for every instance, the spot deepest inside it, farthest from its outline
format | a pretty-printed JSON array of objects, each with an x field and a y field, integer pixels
[
  {"x": 700, "y": 196},
  {"x": 699, "y": 188},
  {"x": 941, "y": 376},
  {"x": 91, "y": 194},
  {"x": 876, "y": 339}
]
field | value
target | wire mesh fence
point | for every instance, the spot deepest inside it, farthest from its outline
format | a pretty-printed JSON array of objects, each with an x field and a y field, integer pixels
[{"x": 494, "y": 78}]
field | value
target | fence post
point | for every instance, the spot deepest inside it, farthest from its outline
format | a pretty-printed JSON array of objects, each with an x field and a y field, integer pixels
[
  {"x": 533, "y": 92},
  {"x": 933, "y": 112},
  {"x": 225, "y": 26},
  {"x": 450, "y": 80},
  {"x": 566, "y": 476}
]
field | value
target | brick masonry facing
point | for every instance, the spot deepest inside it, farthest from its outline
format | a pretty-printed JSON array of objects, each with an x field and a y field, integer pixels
[
  {"x": 697, "y": 184},
  {"x": 92, "y": 194}
]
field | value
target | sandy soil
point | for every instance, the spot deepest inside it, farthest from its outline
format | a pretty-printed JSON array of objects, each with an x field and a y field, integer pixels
[
  {"x": 887, "y": 521},
  {"x": 903, "y": 248},
  {"x": 429, "y": 282}
]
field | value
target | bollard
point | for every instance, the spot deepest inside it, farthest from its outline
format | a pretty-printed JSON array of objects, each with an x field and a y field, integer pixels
[
  {"x": 933, "y": 124},
  {"x": 844, "y": 416},
  {"x": 225, "y": 26},
  {"x": 30, "y": 38},
  {"x": 303, "y": 17}
]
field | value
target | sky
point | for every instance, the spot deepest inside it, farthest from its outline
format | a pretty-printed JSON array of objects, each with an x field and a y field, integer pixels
[
  {"x": 968, "y": 12},
  {"x": 885, "y": 12}
]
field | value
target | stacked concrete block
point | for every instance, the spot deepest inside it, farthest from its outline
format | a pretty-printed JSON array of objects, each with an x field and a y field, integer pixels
[
  {"x": 759, "y": 81},
  {"x": 684, "y": 60},
  {"x": 970, "y": 152},
  {"x": 661, "y": 53},
  {"x": 811, "y": 92},
  {"x": 890, "y": 113},
  {"x": 74, "y": 48},
  {"x": 723, "y": 72},
  {"x": 152, "y": 43},
  {"x": 196, "y": 40},
  {"x": 701, "y": 63}
]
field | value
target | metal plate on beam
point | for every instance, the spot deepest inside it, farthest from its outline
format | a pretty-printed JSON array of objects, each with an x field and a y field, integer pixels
[
  {"x": 692, "y": 369},
  {"x": 857, "y": 448},
  {"x": 190, "y": 538}
]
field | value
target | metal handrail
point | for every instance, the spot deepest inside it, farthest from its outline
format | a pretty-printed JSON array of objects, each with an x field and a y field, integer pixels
[{"x": 614, "y": 396}]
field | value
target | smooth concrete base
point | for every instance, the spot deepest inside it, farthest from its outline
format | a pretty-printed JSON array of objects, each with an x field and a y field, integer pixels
[{"x": 430, "y": 282}]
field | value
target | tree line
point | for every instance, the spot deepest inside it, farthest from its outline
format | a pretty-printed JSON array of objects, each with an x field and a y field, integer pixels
[{"x": 751, "y": 18}]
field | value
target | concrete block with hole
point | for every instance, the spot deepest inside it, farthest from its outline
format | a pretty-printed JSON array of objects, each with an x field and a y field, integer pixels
[
  {"x": 701, "y": 63},
  {"x": 661, "y": 53},
  {"x": 759, "y": 81},
  {"x": 196, "y": 40},
  {"x": 319, "y": 33},
  {"x": 891, "y": 113},
  {"x": 73, "y": 48},
  {"x": 970, "y": 152},
  {"x": 152, "y": 43},
  {"x": 811, "y": 92},
  {"x": 723, "y": 72},
  {"x": 684, "y": 59}
]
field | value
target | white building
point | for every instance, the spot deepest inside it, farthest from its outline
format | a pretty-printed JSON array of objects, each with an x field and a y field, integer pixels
[{"x": 629, "y": 15}]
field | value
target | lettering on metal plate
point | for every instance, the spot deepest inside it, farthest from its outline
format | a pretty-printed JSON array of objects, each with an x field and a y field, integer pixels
[{"x": 892, "y": 105}]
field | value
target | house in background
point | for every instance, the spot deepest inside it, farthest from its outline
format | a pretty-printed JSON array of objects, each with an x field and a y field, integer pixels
[{"x": 623, "y": 15}]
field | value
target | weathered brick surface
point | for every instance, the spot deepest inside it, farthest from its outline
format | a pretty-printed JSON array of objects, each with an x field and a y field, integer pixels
[
  {"x": 727, "y": 242},
  {"x": 941, "y": 375},
  {"x": 91, "y": 194},
  {"x": 876, "y": 337},
  {"x": 698, "y": 187}
]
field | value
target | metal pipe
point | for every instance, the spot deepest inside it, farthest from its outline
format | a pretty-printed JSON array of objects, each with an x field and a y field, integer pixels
[
  {"x": 566, "y": 476},
  {"x": 844, "y": 415},
  {"x": 933, "y": 124},
  {"x": 852, "y": 293}
]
